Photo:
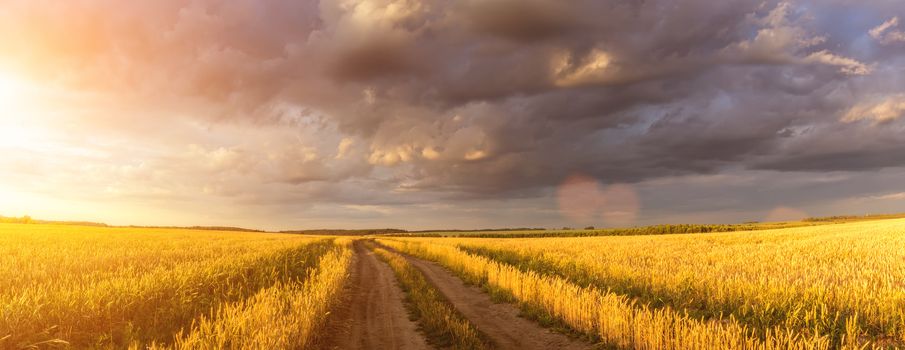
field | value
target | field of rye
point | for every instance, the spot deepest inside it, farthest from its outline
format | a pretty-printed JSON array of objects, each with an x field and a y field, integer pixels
[
  {"x": 88, "y": 287},
  {"x": 832, "y": 286}
]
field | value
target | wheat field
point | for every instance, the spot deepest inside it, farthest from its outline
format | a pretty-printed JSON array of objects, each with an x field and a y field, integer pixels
[
  {"x": 88, "y": 287},
  {"x": 833, "y": 286}
]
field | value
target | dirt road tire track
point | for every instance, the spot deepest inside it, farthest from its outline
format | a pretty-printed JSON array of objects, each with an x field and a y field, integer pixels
[
  {"x": 500, "y": 322},
  {"x": 371, "y": 314}
]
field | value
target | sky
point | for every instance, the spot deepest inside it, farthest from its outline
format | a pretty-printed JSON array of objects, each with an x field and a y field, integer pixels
[{"x": 422, "y": 114}]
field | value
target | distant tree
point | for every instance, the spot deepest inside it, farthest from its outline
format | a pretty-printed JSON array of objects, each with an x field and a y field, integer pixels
[
  {"x": 566, "y": 228},
  {"x": 26, "y": 219},
  {"x": 589, "y": 228}
]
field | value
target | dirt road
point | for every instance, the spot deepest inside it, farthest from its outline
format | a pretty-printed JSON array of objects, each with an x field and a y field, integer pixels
[
  {"x": 371, "y": 314},
  {"x": 500, "y": 322}
]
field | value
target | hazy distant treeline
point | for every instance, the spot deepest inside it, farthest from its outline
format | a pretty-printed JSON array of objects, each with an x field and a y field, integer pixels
[
  {"x": 846, "y": 218},
  {"x": 633, "y": 231},
  {"x": 204, "y": 228},
  {"x": 486, "y": 230},
  {"x": 28, "y": 220},
  {"x": 330, "y": 232}
]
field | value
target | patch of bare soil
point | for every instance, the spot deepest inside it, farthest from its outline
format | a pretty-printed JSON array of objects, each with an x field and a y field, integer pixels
[
  {"x": 371, "y": 314},
  {"x": 500, "y": 322}
]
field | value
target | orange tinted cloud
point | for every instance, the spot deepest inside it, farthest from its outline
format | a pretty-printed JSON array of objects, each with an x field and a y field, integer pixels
[{"x": 298, "y": 109}]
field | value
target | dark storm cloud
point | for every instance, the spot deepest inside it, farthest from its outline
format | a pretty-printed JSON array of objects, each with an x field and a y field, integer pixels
[
  {"x": 525, "y": 21},
  {"x": 505, "y": 98},
  {"x": 682, "y": 89}
]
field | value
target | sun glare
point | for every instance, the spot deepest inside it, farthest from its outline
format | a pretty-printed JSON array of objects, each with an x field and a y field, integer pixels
[
  {"x": 17, "y": 111},
  {"x": 10, "y": 87},
  {"x": 13, "y": 96}
]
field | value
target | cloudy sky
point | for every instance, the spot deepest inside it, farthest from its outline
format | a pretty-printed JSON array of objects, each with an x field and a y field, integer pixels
[{"x": 461, "y": 114}]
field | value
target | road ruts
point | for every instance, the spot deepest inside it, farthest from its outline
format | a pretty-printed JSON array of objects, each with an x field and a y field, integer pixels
[{"x": 371, "y": 314}]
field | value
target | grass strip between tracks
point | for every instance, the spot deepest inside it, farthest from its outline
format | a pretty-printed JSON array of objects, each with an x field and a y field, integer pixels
[{"x": 444, "y": 325}]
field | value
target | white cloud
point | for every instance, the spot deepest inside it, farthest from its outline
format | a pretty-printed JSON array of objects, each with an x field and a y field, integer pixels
[
  {"x": 370, "y": 208},
  {"x": 781, "y": 40},
  {"x": 344, "y": 146},
  {"x": 886, "y": 33},
  {"x": 570, "y": 71},
  {"x": 391, "y": 156},
  {"x": 475, "y": 155},
  {"x": 846, "y": 65},
  {"x": 885, "y": 110},
  {"x": 430, "y": 153},
  {"x": 891, "y": 196}
]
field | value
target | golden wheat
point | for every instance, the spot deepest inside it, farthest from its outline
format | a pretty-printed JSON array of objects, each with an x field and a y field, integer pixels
[
  {"x": 284, "y": 316},
  {"x": 92, "y": 287},
  {"x": 823, "y": 286},
  {"x": 831, "y": 279}
]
